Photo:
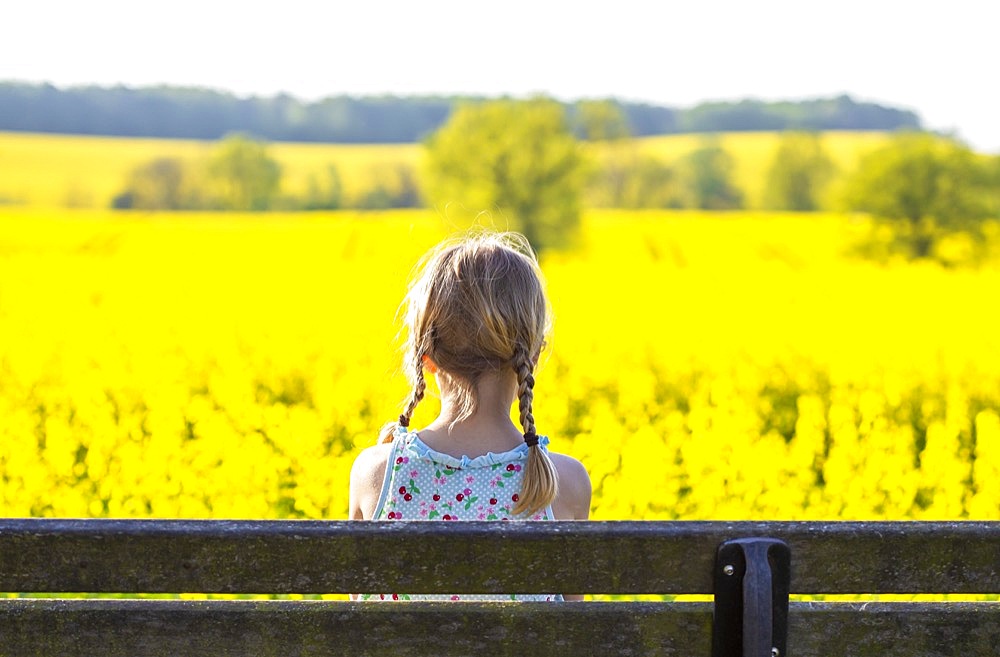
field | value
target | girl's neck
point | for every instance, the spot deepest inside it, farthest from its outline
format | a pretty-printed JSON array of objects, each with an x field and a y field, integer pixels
[{"x": 489, "y": 429}]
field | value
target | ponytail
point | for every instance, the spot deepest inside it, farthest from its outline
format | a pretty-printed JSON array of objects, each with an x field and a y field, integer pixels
[{"x": 540, "y": 482}]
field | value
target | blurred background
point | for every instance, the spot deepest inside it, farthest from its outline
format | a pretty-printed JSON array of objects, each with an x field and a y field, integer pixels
[{"x": 770, "y": 234}]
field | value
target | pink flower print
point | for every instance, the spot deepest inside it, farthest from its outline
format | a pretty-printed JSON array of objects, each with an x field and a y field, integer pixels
[
  {"x": 423, "y": 512},
  {"x": 470, "y": 479},
  {"x": 481, "y": 516},
  {"x": 414, "y": 473},
  {"x": 433, "y": 507},
  {"x": 440, "y": 481}
]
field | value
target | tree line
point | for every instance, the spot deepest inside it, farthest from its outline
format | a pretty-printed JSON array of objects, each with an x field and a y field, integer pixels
[
  {"x": 524, "y": 161},
  {"x": 924, "y": 189},
  {"x": 196, "y": 113},
  {"x": 240, "y": 174}
]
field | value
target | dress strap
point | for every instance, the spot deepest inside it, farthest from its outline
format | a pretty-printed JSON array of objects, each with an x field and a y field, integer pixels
[{"x": 398, "y": 445}]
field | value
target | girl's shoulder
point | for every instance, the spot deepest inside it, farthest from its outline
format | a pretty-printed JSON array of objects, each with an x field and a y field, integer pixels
[
  {"x": 367, "y": 476},
  {"x": 371, "y": 461},
  {"x": 573, "y": 499}
]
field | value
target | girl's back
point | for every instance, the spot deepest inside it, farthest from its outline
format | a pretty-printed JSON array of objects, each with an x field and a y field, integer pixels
[{"x": 476, "y": 318}]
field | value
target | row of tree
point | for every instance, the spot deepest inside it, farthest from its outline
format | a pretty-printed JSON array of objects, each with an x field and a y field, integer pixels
[
  {"x": 176, "y": 112},
  {"x": 242, "y": 175},
  {"x": 524, "y": 160}
]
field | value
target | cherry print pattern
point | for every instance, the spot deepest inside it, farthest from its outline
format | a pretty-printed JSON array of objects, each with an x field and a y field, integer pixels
[{"x": 424, "y": 484}]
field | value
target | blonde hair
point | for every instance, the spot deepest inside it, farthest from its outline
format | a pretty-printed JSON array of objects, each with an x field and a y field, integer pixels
[{"x": 478, "y": 305}]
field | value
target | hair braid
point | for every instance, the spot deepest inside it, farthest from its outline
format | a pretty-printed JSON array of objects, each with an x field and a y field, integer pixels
[
  {"x": 419, "y": 386},
  {"x": 525, "y": 389},
  {"x": 418, "y": 393},
  {"x": 540, "y": 484}
]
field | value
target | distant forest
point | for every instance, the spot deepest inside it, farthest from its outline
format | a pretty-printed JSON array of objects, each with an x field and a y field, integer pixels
[{"x": 195, "y": 113}]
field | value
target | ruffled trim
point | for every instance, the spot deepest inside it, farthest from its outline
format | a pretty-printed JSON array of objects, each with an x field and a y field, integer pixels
[{"x": 416, "y": 446}]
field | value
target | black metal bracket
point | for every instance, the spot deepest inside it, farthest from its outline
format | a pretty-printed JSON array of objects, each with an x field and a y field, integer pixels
[{"x": 751, "y": 598}]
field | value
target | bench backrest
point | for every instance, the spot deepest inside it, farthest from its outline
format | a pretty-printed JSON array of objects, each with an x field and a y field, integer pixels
[{"x": 282, "y": 557}]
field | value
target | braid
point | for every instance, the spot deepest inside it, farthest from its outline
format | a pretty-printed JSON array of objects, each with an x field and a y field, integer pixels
[
  {"x": 420, "y": 385},
  {"x": 415, "y": 397},
  {"x": 525, "y": 389},
  {"x": 540, "y": 484}
]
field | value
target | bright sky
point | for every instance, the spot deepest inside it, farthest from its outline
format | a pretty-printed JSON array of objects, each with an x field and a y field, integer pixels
[{"x": 936, "y": 58}]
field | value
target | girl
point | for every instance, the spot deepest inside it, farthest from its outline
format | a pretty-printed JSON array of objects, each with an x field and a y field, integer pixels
[{"x": 476, "y": 318}]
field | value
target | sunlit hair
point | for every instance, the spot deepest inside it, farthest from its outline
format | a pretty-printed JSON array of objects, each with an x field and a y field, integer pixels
[{"x": 477, "y": 305}]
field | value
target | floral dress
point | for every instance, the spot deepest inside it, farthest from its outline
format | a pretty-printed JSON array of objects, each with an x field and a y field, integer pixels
[{"x": 424, "y": 484}]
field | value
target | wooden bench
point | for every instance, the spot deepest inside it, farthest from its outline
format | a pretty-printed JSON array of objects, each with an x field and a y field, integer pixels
[{"x": 750, "y": 580}]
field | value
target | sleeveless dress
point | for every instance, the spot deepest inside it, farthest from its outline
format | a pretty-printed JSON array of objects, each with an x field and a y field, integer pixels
[{"x": 424, "y": 484}]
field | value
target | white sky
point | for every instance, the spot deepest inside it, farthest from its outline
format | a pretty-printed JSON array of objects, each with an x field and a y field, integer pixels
[{"x": 939, "y": 58}]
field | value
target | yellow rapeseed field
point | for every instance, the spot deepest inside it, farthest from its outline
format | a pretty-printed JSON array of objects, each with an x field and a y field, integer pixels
[{"x": 702, "y": 366}]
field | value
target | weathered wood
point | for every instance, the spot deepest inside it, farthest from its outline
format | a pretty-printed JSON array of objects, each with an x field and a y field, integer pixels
[
  {"x": 155, "y": 628},
  {"x": 898, "y": 629},
  {"x": 44, "y": 555}
]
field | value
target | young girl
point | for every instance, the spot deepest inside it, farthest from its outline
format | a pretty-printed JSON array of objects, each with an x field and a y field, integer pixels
[{"x": 476, "y": 319}]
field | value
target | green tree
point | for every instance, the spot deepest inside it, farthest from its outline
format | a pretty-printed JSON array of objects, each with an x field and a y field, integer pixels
[
  {"x": 394, "y": 185},
  {"x": 246, "y": 176},
  {"x": 993, "y": 185},
  {"x": 626, "y": 178},
  {"x": 926, "y": 185},
  {"x": 517, "y": 158},
  {"x": 652, "y": 184},
  {"x": 600, "y": 120},
  {"x": 620, "y": 175},
  {"x": 326, "y": 193},
  {"x": 705, "y": 176},
  {"x": 798, "y": 173},
  {"x": 613, "y": 153},
  {"x": 164, "y": 183}
]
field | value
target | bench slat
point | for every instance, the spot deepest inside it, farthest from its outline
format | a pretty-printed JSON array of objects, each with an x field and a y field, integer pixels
[
  {"x": 155, "y": 628},
  {"x": 173, "y": 556}
]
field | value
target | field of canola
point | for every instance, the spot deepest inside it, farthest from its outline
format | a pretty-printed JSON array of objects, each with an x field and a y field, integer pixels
[{"x": 701, "y": 366}]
